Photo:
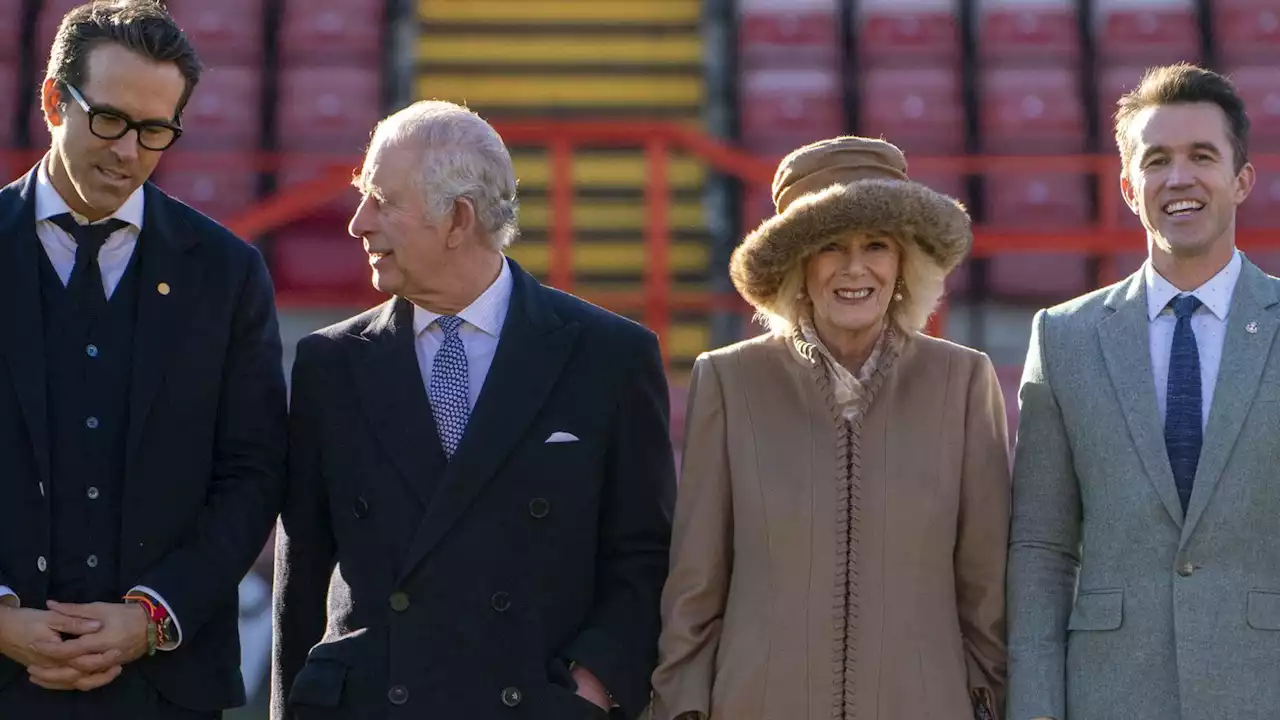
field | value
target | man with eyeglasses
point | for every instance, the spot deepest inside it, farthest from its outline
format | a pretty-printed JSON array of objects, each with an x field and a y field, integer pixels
[{"x": 142, "y": 399}]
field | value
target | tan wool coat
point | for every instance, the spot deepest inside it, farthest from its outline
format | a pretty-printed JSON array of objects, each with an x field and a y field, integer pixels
[{"x": 834, "y": 570}]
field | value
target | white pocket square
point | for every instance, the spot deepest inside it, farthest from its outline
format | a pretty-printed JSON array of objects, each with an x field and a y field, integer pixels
[{"x": 561, "y": 437}]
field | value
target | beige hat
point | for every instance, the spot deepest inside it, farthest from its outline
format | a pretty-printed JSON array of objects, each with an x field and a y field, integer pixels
[{"x": 837, "y": 187}]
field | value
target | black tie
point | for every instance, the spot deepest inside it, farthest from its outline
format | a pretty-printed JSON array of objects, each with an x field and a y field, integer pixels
[{"x": 85, "y": 284}]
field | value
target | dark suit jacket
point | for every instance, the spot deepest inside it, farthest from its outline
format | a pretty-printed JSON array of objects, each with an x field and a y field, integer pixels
[
  {"x": 206, "y": 440},
  {"x": 467, "y": 601}
]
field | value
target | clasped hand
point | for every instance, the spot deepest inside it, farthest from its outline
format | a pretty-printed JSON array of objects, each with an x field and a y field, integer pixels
[{"x": 104, "y": 637}]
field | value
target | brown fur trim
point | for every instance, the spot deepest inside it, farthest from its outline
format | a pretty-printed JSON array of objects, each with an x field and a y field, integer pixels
[{"x": 905, "y": 211}]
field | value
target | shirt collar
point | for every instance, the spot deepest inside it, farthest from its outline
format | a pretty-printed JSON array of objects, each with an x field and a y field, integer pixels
[
  {"x": 49, "y": 202},
  {"x": 1215, "y": 294},
  {"x": 488, "y": 312}
]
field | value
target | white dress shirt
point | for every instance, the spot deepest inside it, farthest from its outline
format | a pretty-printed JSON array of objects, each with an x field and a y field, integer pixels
[
  {"x": 479, "y": 332},
  {"x": 113, "y": 260},
  {"x": 60, "y": 247},
  {"x": 1208, "y": 323}
]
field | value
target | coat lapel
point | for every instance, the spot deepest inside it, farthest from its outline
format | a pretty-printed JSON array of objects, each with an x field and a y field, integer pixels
[
  {"x": 1244, "y": 357},
  {"x": 532, "y": 351},
  {"x": 1126, "y": 348},
  {"x": 390, "y": 387},
  {"x": 170, "y": 274},
  {"x": 20, "y": 290}
]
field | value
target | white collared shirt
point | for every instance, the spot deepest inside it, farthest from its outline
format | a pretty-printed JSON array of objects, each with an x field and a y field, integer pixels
[
  {"x": 113, "y": 260},
  {"x": 1208, "y": 323},
  {"x": 60, "y": 247},
  {"x": 479, "y": 332}
]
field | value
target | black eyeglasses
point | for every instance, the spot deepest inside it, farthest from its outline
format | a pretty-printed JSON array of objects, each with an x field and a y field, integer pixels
[{"x": 111, "y": 125}]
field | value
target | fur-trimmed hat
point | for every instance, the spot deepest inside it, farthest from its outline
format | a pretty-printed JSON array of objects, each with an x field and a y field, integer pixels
[{"x": 837, "y": 187}]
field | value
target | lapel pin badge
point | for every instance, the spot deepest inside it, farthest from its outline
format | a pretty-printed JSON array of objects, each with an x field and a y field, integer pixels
[
  {"x": 163, "y": 289},
  {"x": 1251, "y": 328}
]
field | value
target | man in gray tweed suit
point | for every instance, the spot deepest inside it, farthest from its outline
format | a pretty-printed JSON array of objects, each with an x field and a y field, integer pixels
[{"x": 1144, "y": 576}]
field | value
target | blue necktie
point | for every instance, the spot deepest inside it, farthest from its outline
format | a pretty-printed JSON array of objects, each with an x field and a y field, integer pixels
[
  {"x": 1183, "y": 431},
  {"x": 448, "y": 388}
]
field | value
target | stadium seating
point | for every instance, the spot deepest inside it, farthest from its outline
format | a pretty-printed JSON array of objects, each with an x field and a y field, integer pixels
[
  {"x": 332, "y": 32},
  {"x": 51, "y": 12},
  {"x": 780, "y": 34},
  {"x": 219, "y": 186},
  {"x": 225, "y": 111},
  {"x": 319, "y": 256},
  {"x": 1247, "y": 31},
  {"x": 328, "y": 109},
  {"x": 225, "y": 32},
  {"x": 1031, "y": 111},
  {"x": 297, "y": 168},
  {"x": 10, "y": 30},
  {"x": 1259, "y": 86},
  {"x": 908, "y": 33},
  {"x": 1146, "y": 32},
  {"x": 1262, "y": 208},
  {"x": 1027, "y": 31},
  {"x": 920, "y": 110},
  {"x": 783, "y": 109}
]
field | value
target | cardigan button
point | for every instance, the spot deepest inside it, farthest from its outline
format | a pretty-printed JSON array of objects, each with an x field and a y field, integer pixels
[
  {"x": 398, "y": 695},
  {"x": 512, "y": 696}
]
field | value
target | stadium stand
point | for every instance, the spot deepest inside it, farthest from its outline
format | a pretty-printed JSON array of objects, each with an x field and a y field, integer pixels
[{"x": 568, "y": 59}]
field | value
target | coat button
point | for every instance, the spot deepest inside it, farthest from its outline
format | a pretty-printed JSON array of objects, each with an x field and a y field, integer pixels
[
  {"x": 42, "y": 564},
  {"x": 92, "y": 561},
  {"x": 1186, "y": 569},
  {"x": 539, "y": 507},
  {"x": 361, "y": 508},
  {"x": 511, "y": 696},
  {"x": 398, "y": 694},
  {"x": 92, "y": 493},
  {"x": 399, "y": 601},
  {"x": 91, "y": 350},
  {"x": 501, "y": 602},
  {"x": 91, "y": 423}
]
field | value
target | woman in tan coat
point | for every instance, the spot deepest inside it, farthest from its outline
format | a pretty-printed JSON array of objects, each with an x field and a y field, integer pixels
[{"x": 841, "y": 524}]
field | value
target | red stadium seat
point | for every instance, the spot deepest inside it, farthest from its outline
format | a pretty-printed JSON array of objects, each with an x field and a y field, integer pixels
[
  {"x": 920, "y": 110},
  {"x": 10, "y": 30},
  {"x": 1259, "y": 86},
  {"x": 1024, "y": 30},
  {"x": 329, "y": 109},
  {"x": 1147, "y": 32},
  {"x": 296, "y": 169},
  {"x": 225, "y": 110},
  {"x": 778, "y": 34},
  {"x": 1025, "y": 202},
  {"x": 223, "y": 32},
  {"x": 1112, "y": 83},
  {"x": 1262, "y": 208},
  {"x": 319, "y": 256},
  {"x": 1247, "y": 30},
  {"x": 1032, "y": 111},
  {"x": 332, "y": 32},
  {"x": 908, "y": 32},
  {"x": 37, "y": 131},
  {"x": 51, "y": 12},
  {"x": 219, "y": 186},
  {"x": 783, "y": 109}
]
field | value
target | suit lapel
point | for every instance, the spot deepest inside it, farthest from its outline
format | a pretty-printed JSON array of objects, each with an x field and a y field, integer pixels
[
  {"x": 1126, "y": 347},
  {"x": 169, "y": 276},
  {"x": 1244, "y": 357},
  {"x": 390, "y": 387},
  {"x": 20, "y": 288},
  {"x": 533, "y": 349}
]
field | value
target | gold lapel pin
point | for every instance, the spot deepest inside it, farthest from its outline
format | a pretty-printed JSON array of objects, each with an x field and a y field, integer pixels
[
  {"x": 163, "y": 289},
  {"x": 1251, "y": 328}
]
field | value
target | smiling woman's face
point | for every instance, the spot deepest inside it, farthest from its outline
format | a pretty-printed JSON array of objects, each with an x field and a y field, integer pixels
[{"x": 850, "y": 283}]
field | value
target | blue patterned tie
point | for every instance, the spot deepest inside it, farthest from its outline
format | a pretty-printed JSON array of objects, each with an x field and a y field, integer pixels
[
  {"x": 1183, "y": 429},
  {"x": 450, "y": 404}
]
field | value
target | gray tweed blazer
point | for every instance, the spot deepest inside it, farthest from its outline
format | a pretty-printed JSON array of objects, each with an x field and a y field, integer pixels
[{"x": 1120, "y": 607}]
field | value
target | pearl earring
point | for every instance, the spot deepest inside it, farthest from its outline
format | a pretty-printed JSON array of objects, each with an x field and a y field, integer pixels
[{"x": 897, "y": 296}]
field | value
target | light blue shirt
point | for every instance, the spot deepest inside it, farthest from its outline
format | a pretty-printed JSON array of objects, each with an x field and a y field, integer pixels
[{"x": 1209, "y": 323}]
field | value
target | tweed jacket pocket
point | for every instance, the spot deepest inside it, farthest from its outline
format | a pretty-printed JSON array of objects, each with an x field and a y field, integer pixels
[
  {"x": 1263, "y": 612},
  {"x": 1097, "y": 610}
]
